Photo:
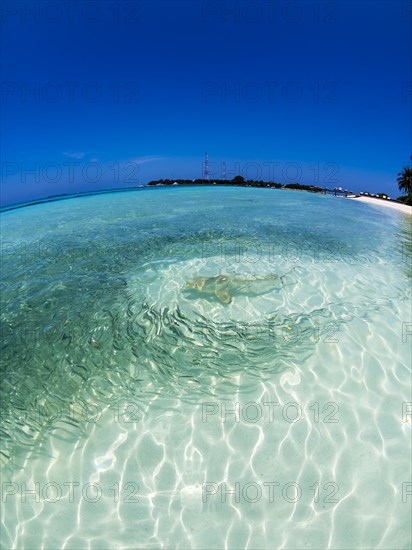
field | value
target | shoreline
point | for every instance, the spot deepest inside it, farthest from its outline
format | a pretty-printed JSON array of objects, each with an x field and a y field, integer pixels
[{"x": 404, "y": 208}]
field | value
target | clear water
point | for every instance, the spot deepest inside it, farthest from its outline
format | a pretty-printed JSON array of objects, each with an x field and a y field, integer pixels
[{"x": 143, "y": 414}]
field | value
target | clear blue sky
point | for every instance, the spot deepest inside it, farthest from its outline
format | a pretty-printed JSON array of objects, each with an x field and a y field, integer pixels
[{"x": 116, "y": 93}]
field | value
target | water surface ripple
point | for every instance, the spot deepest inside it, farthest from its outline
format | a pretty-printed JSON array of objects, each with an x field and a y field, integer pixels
[{"x": 231, "y": 357}]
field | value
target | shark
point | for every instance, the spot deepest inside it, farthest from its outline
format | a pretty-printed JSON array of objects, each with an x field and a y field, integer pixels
[{"x": 224, "y": 287}]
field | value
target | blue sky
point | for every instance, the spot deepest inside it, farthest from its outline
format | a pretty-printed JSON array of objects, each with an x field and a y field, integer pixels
[{"x": 116, "y": 93}]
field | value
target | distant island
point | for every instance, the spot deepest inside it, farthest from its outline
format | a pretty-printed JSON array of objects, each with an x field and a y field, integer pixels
[
  {"x": 239, "y": 181},
  {"x": 404, "y": 183}
]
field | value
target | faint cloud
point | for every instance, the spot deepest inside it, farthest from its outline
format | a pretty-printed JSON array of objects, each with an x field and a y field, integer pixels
[
  {"x": 143, "y": 160},
  {"x": 74, "y": 155}
]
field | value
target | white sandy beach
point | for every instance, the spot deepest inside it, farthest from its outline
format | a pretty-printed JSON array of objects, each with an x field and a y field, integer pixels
[{"x": 385, "y": 203}]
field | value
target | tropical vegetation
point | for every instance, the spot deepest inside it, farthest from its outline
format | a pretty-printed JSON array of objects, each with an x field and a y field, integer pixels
[
  {"x": 405, "y": 184},
  {"x": 238, "y": 180}
]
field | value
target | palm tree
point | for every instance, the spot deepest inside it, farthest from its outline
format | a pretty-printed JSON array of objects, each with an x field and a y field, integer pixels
[{"x": 405, "y": 180}]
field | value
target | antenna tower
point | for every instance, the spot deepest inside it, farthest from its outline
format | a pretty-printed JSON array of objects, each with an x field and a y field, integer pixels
[{"x": 206, "y": 168}]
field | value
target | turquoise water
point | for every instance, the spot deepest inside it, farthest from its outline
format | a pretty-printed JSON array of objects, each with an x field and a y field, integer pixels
[{"x": 206, "y": 368}]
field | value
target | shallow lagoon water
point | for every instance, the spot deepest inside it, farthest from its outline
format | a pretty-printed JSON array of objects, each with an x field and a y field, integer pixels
[{"x": 144, "y": 415}]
